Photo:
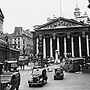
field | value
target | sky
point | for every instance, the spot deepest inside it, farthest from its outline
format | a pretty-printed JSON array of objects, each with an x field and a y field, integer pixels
[{"x": 28, "y": 13}]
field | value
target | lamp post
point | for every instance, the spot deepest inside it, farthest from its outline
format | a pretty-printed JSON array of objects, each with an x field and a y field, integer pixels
[{"x": 40, "y": 55}]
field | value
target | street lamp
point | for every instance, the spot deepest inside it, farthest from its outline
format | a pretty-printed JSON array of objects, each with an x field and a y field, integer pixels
[{"x": 40, "y": 55}]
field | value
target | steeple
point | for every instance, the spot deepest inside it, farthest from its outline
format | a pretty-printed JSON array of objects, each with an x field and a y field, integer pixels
[{"x": 77, "y": 12}]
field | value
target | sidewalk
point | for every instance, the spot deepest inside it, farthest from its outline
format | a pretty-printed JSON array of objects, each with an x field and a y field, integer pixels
[
  {"x": 29, "y": 67},
  {"x": 32, "y": 65},
  {"x": 25, "y": 68}
]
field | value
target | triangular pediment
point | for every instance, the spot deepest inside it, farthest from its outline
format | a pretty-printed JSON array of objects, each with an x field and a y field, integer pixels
[{"x": 60, "y": 23}]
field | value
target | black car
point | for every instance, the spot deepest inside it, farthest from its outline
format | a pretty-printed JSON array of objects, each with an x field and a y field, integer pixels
[
  {"x": 38, "y": 77},
  {"x": 1, "y": 67},
  {"x": 58, "y": 75},
  {"x": 10, "y": 78}
]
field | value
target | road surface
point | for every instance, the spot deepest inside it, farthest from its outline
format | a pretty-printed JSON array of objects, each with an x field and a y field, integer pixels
[{"x": 71, "y": 81}]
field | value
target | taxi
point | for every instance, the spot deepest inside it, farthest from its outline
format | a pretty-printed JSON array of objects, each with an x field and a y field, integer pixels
[
  {"x": 38, "y": 77},
  {"x": 58, "y": 74}
]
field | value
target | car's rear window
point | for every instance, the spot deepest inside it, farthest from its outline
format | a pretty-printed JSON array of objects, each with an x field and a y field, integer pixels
[{"x": 37, "y": 71}]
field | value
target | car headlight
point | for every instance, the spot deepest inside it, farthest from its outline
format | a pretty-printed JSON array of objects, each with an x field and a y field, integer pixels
[
  {"x": 41, "y": 79},
  {"x": 8, "y": 87},
  {"x": 31, "y": 78}
]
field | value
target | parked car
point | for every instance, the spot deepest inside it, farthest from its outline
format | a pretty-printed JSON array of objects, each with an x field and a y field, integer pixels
[
  {"x": 73, "y": 64},
  {"x": 58, "y": 74},
  {"x": 10, "y": 78},
  {"x": 38, "y": 77},
  {"x": 87, "y": 59},
  {"x": 1, "y": 67},
  {"x": 11, "y": 66},
  {"x": 86, "y": 66}
]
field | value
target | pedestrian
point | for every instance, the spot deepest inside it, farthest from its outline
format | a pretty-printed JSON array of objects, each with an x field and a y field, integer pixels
[{"x": 23, "y": 65}]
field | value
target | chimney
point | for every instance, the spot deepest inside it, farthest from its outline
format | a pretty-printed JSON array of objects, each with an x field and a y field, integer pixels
[
  {"x": 54, "y": 17},
  {"x": 48, "y": 19}
]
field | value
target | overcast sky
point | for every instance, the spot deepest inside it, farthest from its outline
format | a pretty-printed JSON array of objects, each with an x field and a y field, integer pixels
[{"x": 27, "y": 13}]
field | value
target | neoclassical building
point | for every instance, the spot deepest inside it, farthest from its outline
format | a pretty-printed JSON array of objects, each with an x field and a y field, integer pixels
[{"x": 63, "y": 36}]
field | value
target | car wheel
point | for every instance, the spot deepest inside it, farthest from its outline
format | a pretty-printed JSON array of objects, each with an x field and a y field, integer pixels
[
  {"x": 29, "y": 85},
  {"x": 61, "y": 77},
  {"x": 17, "y": 88},
  {"x": 46, "y": 81},
  {"x": 54, "y": 78},
  {"x": 42, "y": 83}
]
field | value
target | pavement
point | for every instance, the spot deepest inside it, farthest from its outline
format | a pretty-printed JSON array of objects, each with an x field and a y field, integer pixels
[
  {"x": 30, "y": 66},
  {"x": 71, "y": 81},
  {"x": 26, "y": 67}
]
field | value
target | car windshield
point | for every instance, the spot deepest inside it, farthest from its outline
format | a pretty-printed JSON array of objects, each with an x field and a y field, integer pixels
[{"x": 37, "y": 71}]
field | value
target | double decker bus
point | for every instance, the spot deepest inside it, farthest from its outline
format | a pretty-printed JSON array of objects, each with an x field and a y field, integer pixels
[{"x": 73, "y": 64}]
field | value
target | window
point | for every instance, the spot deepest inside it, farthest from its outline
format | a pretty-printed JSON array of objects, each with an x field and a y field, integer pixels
[
  {"x": 14, "y": 46},
  {"x": 18, "y": 46},
  {"x": 15, "y": 42},
  {"x": 14, "y": 38},
  {"x": 18, "y": 38},
  {"x": 19, "y": 42},
  {"x": 23, "y": 41}
]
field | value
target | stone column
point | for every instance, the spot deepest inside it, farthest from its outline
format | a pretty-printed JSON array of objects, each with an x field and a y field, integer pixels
[
  {"x": 80, "y": 52},
  {"x": 44, "y": 48},
  {"x": 40, "y": 54},
  {"x": 37, "y": 46},
  {"x": 65, "y": 50},
  {"x": 87, "y": 41},
  {"x": 72, "y": 46},
  {"x": 51, "y": 50}
]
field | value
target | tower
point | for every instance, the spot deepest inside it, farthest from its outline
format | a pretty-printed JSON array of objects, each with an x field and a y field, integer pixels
[{"x": 77, "y": 12}]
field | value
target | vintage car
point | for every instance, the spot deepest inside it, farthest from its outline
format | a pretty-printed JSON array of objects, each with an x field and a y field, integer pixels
[
  {"x": 38, "y": 77},
  {"x": 73, "y": 64},
  {"x": 10, "y": 77},
  {"x": 86, "y": 66},
  {"x": 58, "y": 75},
  {"x": 1, "y": 67},
  {"x": 11, "y": 66}
]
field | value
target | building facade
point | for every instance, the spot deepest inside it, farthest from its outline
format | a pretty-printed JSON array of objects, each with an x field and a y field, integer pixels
[
  {"x": 6, "y": 52},
  {"x": 2, "y": 41},
  {"x": 22, "y": 40},
  {"x": 62, "y": 37}
]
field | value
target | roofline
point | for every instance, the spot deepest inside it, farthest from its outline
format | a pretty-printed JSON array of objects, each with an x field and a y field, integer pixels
[
  {"x": 53, "y": 20},
  {"x": 64, "y": 27}
]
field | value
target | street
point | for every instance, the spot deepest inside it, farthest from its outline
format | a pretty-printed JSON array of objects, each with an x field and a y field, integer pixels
[{"x": 71, "y": 81}]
